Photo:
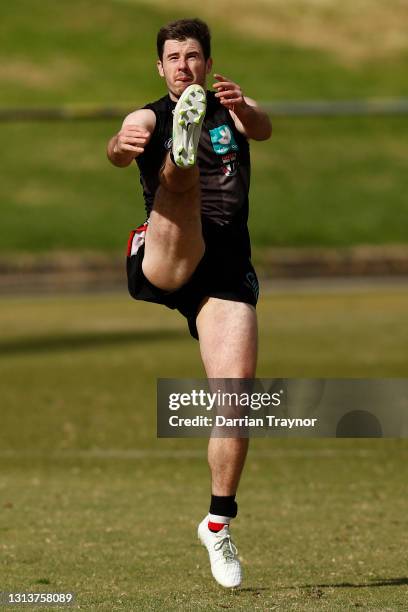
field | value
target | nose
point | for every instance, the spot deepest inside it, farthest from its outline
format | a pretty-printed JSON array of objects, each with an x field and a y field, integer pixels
[{"x": 182, "y": 64}]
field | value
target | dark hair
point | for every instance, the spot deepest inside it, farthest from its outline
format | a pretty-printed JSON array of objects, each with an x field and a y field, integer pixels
[{"x": 182, "y": 29}]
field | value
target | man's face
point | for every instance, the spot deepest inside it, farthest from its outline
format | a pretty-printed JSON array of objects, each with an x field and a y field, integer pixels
[{"x": 183, "y": 64}]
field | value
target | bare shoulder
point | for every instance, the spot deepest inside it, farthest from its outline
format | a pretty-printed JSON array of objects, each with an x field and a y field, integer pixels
[{"x": 144, "y": 117}]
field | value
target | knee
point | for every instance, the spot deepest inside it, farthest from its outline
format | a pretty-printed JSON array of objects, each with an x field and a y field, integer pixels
[{"x": 163, "y": 277}]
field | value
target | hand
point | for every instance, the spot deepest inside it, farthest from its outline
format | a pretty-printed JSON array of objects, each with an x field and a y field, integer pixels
[
  {"x": 229, "y": 93},
  {"x": 132, "y": 138}
]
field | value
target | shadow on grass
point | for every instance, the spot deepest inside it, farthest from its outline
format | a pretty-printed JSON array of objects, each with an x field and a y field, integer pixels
[
  {"x": 370, "y": 583},
  {"x": 255, "y": 590},
  {"x": 79, "y": 341}
]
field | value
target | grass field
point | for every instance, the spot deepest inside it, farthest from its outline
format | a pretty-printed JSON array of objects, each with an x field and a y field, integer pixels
[
  {"x": 317, "y": 182},
  {"x": 104, "y": 51},
  {"x": 90, "y": 499},
  {"x": 331, "y": 182}
]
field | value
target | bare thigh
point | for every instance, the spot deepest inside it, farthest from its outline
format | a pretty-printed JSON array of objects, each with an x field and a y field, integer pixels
[{"x": 174, "y": 244}]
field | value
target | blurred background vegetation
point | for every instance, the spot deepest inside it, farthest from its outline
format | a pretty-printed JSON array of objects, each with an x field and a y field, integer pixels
[{"x": 318, "y": 181}]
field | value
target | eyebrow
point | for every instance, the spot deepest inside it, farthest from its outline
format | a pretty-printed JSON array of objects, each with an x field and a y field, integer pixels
[{"x": 176, "y": 53}]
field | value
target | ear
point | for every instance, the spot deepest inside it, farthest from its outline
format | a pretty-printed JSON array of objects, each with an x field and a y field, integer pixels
[
  {"x": 209, "y": 65},
  {"x": 160, "y": 68}
]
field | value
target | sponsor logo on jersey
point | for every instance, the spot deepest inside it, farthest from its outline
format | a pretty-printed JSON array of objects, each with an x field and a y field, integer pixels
[{"x": 222, "y": 140}]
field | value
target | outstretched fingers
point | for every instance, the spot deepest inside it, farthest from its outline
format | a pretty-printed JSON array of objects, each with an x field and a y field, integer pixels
[{"x": 228, "y": 92}]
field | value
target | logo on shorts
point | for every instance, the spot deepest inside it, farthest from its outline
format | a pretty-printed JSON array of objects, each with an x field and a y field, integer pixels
[
  {"x": 223, "y": 140},
  {"x": 168, "y": 144},
  {"x": 253, "y": 282}
]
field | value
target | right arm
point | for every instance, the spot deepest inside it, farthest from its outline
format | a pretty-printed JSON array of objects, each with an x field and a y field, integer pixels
[{"x": 130, "y": 142}]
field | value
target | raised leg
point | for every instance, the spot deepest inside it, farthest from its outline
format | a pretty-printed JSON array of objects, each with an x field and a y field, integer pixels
[{"x": 174, "y": 243}]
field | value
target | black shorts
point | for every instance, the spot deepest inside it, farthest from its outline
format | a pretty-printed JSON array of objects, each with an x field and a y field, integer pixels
[{"x": 224, "y": 272}]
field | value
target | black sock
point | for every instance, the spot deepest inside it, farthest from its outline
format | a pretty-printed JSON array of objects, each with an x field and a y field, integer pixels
[{"x": 224, "y": 505}]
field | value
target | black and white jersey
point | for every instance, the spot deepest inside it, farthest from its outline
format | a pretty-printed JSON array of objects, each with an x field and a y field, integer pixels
[{"x": 223, "y": 160}]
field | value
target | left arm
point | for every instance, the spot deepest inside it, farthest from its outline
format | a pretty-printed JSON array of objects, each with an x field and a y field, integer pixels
[{"x": 249, "y": 119}]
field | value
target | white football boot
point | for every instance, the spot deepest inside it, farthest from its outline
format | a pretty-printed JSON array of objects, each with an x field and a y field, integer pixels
[
  {"x": 225, "y": 565},
  {"x": 187, "y": 122}
]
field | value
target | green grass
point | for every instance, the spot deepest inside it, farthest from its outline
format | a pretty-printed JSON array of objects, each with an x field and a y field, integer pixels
[
  {"x": 89, "y": 51},
  {"x": 90, "y": 499},
  {"x": 334, "y": 182},
  {"x": 316, "y": 182},
  {"x": 327, "y": 529}
]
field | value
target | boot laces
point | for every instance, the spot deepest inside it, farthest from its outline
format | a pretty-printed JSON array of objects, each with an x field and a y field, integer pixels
[{"x": 228, "y": 548}]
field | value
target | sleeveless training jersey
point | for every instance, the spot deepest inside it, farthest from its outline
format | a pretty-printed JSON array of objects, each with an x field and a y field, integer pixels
[{"x": 223, "y": 160}]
